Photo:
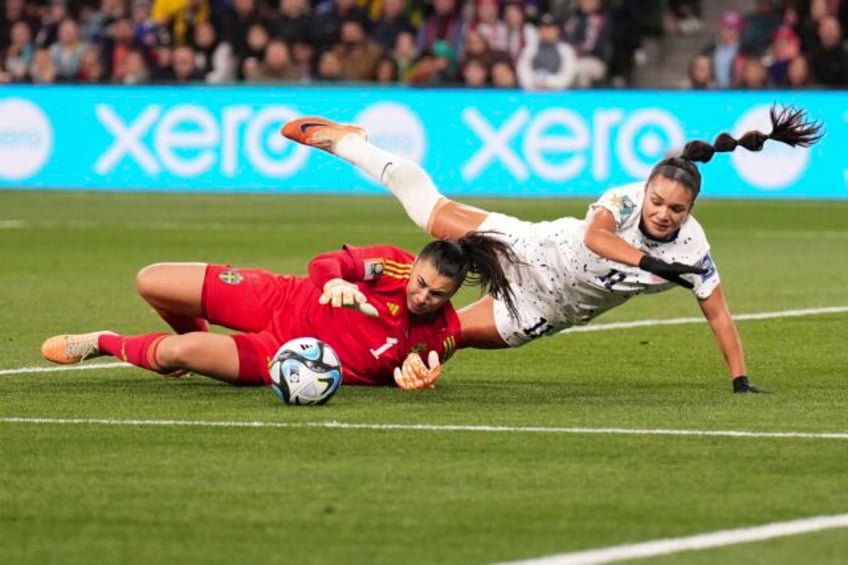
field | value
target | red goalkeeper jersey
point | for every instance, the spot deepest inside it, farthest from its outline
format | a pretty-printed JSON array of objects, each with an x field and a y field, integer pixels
[{"x": 369, "y": 348}]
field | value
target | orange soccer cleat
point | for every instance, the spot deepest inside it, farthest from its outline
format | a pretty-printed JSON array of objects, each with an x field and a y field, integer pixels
[
  {"x": 320, "y": 133},
  {"x": 69, "y": 348}
]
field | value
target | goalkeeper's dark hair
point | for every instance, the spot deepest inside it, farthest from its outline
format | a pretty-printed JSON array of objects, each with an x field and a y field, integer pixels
[
  {"x": 476, "y": 259},
  {"x": 788, "y": 125}
]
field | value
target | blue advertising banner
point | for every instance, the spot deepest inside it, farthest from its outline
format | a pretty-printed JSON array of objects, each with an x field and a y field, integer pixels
[{"x": 473, "y": 142}]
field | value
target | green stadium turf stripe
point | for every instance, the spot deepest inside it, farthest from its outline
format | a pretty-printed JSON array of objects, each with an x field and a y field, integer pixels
[
  {"x": 423, "y": 427},
  {"x": 691, "y": 543}
]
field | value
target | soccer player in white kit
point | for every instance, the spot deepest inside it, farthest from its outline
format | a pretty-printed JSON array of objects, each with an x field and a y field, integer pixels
[{"x": 636, "y": 239}]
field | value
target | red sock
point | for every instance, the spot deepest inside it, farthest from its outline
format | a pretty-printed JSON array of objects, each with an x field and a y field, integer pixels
[
  {"x": 138, "y": 350},
  {"x": 183, "y": 324}
]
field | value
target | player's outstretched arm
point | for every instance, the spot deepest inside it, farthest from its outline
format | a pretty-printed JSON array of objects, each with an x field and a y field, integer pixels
[{"x": 727, "y": 338}]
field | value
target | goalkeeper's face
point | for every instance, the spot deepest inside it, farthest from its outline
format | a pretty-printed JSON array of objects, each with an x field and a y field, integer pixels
[{"x": 428, "y": 290}]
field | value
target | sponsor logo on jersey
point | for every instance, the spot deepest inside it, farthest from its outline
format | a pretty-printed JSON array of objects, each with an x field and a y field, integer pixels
[
  {"x": 231, "y": 277},
  {"x": 373, "y": 269},
  {"x": 393, "y": 308},
  {"x": 707, "y": 263}
]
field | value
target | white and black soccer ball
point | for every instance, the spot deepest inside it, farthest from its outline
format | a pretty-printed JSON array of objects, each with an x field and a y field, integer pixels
[{"x": 305, "y": 371}]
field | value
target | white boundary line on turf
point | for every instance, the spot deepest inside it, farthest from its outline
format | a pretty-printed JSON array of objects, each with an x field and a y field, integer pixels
[
  {"x": 696, "y": 542},
  {"x": 592, "y": 328},
  {"x": 424, "y": 427}
]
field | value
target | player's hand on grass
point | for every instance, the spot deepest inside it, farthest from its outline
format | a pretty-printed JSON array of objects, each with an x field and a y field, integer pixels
[
  {"x": 415, "y": 375},
  {"x": 670, "y": 271},
  {"x": 341, "y": 293},
  {"x": 742, "y": 385}
]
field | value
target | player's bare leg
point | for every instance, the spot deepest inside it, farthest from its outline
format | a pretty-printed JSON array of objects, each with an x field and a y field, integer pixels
[
  {"x": 412, "y": 186},
  {"x": 175, "y": 291},
  {"x": 477, "y": 321},
  {"x": 209, "y": 354}
]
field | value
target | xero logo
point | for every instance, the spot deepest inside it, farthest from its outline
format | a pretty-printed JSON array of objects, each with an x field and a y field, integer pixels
[{"x": 26, "y": 139}]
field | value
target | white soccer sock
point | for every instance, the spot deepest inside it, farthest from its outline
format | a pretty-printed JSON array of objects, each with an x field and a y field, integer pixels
[{"x": 410, "y": 184}]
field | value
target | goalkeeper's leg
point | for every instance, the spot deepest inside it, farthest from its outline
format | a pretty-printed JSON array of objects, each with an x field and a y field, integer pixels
[{"x": 175, "y": 292}]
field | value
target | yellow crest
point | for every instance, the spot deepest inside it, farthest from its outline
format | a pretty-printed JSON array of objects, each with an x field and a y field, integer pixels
[{"x": 393, "y": 308}]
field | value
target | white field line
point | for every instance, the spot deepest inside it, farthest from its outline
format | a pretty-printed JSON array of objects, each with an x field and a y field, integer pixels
[
  {"x": 701, "y": 541},
  {"x": 420, "y": 427},
  {"x": 592, "y": 328}
]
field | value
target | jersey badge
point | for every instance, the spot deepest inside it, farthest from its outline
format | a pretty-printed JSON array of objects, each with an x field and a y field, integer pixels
[
  {"x": 373, "y": 269},
  {"x": 707, "y": 263},
  {"x": 393, "y": 308},
  {"x": 232, "y": 277},
  {"x": 624, "y": 204}
]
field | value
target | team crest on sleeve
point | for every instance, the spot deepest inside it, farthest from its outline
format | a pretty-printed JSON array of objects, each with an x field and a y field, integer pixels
[
  {"x": 373, "y": 269},
  {"x": 625, "y": 205},
  {"x": 231, "y": 276}
]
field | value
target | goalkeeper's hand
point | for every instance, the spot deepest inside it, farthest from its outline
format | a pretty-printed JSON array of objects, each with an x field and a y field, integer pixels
[
  {"x": 342, "y": 293},
  {"x": 741, "y": 385},
  {"x": 670, "y": 271},
  {"x": 415, "y": 375}
]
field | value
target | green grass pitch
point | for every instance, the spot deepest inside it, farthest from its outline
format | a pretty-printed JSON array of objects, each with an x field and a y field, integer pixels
[{"x": 304, "y": 493}]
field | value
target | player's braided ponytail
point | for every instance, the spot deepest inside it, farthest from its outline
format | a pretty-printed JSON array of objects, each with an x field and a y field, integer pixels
[
  {"x": 788, "y": 125},
  {"x": 475, "y": 259}
]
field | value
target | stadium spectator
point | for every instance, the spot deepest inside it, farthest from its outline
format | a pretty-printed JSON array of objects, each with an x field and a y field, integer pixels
[
  {"x": 571, "y": 270},
  {"x": 357, "y": 53},
  {"x": 94, "y": 24},
  {"x": 135, "y": 68},
  {"x": 91, "y": 70},
  {"x": 829, "y": 61},
  {"x": 588, "y": 31},
  {"x": 214, "y": 59},
  {"x": 798, "y": 74},
  {"x": 328, "y": 20},
  {"x": 386, "y": 71},
  {"x": 550, "y": 63},
  {"x": 519, "y": 32},
  {"x": 294, "y": 23},
  {"x": 408, "y": 296},
  {"x": 405, "y": 54},
  {"x": 329, "y": 68},
  {"x": 626, "y": 40},
  {"x": 147, "y": 32},
  {"x": 436, "y": 67},
  {"x": 785, "y": 47},
  {"x": 700, "y": 75},
  {"x": 42, "y": 70},
  {"x": 235, "y": 23},
  {"x": 68, "y": 50},
  {"x": 16, "y": 11},
  {"x": 477, "y": 47},
  {"x": 808, "y": 29},
  {"x": 119, "y": 41},
  {"x": 180, "y": 17},
  {"x": 445, "y": 24},
  {"x": 51, "y": 19},
  {"x": 18, "y": 55},
  {"x": 753, "y": 74},
  {"x": 474, "y": 73},
  {"x": 758, "y": 28},
  {"x": 256, "y": 42},
  {"x": 276, "y": 66},
  {"x": 184, "y": 66},
  {"x": 488, "y": 24},
  {"x": 303, "y": 59},
  {"x": 726, "y": 59},
  {"x": 503, "y": 75},
  {"x": 393, "y": 21}
]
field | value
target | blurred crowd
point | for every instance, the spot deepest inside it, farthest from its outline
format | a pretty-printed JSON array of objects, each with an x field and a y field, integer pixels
[
  {"x": 789, "y": 44},
  {"x": 530, "y": 44}
]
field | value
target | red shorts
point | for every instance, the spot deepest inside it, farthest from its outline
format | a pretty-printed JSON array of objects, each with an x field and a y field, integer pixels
[{"x": 245, "y": 300}]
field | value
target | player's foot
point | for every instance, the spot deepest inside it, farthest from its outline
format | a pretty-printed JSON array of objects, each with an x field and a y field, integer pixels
[
  {"x": 320, "y": 133},
  {"x": 70, "y": 348}
]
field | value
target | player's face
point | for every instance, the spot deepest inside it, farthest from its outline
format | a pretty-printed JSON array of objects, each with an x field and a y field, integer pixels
[
  {"x": 427, "y": 290},
  {"x": 667, "y": 205}
]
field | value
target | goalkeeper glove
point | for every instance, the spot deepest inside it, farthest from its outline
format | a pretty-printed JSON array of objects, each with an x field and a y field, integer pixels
[
  {"x": 670, "y": 271},
  {"x": 741, "y": 385},
  {"x": 339, "y": 292},
  {"x": 415, "y": 375}
]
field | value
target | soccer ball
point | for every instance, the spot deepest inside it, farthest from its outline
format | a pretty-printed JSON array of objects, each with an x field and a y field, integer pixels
[{"x": 305, "y": 371}]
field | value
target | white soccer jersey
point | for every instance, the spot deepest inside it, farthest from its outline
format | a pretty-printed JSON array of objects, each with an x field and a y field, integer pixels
[{"x": 566, "y": 284}]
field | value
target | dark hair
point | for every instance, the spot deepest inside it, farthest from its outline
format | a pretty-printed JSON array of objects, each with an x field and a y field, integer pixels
[
  {"x": 475, "y": 259},
  {"x": 788, "y": 125}
]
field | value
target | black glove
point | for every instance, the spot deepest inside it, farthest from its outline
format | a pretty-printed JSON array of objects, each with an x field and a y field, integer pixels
[
  {"x": 670, "y": 271},
  {"x": 741, "y": 384}
]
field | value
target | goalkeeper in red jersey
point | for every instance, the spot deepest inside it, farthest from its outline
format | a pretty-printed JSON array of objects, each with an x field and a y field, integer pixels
[{"x": 379, "y": 307}]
